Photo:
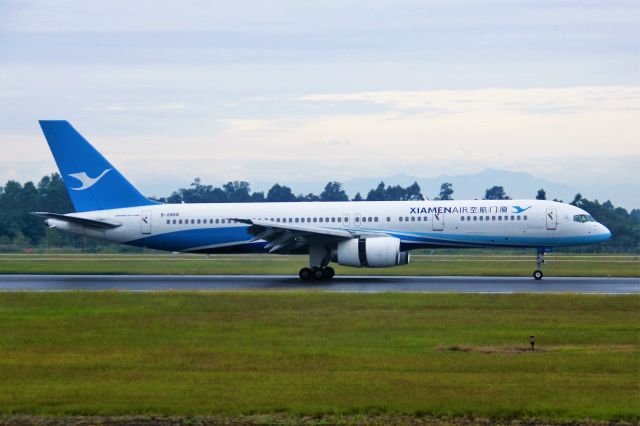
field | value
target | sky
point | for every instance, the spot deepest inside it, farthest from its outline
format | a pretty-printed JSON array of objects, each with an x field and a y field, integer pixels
[{"x": 305, "y": 92}]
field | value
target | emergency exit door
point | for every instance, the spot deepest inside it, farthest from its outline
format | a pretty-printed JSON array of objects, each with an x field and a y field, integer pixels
[
  {"x": 552, "y": 219},
  {"x": 437, "y": 220},
  {"x": 145, "y": 222}
]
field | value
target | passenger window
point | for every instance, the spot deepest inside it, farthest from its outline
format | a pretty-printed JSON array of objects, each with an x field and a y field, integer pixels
[
  {"x": 364, "y": 219},
  {"x": 302, "y": 219},
  {"x": 419, "y": 218},
  {"x": 375, "y": 219},
  {"x": 370, "y": 219},
  {"x": 222, "y": 220},
  {"x": 493, "y": 218},
  {"x": 193, "y": 221},
  {"x": 297, "y": 219},
  {"x": 519, "y": 218},
  {"x": 468, "y": 218},
  {"x": 475, "y": 218},
  {"x": 333, "y": 219},
  {"x": 326, "y": 219},
  {"x": 513, "y": 218},
  {"x": 500, "y": 218},
  {"x": 357, "y": 219},
  {"x": 413, "y": 218},
  {"x": 481, "y": 218},
  {"x": 168, "y": 222},
  {"x": 487, "y": 218},
  {"x": 525, "y": 217},
  {"x": 388, "y": 219},
  {"x": 400, "y": 219},
  {"x": 406, "y": 219},
  {"x": 315, "y": 219},
  {"x": 217, "y": 220},
  {"x": 198, "y": 221},
  {"x": 174, "y": 221},
  {"x": 425, "y": 218},
  {"x": 462, "y": 218},
  {"x": 320, "y": 220},
  {"x": 340, "y": 219}
]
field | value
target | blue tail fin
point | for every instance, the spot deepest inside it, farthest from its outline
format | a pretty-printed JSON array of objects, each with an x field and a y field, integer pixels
[{"x": 91, "y": 181}]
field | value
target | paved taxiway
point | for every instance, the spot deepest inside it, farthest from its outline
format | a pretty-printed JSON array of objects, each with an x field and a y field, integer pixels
[{"x": 342, "y": 283}]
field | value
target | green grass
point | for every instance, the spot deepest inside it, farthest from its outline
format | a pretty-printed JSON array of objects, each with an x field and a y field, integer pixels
[
  {"x": 499, "y": 265},
  {"x": 313, "y": 353}
]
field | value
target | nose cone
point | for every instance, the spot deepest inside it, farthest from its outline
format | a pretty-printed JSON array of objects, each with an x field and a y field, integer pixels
[{"x": 603, "y": 232}]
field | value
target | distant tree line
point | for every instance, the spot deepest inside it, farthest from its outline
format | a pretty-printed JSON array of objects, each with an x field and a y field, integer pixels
[{"x": 20, "y": 229}]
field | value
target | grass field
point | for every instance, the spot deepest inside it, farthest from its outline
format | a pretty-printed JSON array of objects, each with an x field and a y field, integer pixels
[
  {"x": 445, "y": 355},
  {"x": 493, "y": 265}
]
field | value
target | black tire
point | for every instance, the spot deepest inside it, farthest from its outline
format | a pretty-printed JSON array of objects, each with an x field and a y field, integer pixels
[
  {"x": 304, "y": 274},
  {"x": 317, "y": 274},
  {"x": 537, "y": 275},
  {"x": 329, "y": 272}
]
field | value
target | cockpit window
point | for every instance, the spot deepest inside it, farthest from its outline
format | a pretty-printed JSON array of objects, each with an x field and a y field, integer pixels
[{"x": 583, "y": 218}]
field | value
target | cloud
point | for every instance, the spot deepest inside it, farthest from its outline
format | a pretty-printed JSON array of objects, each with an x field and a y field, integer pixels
[
  {"x": 146, "y": 107},
  {"x": 542, "y": 100}
]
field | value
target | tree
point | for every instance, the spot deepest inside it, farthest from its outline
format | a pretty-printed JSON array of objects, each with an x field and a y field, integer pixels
[
  {"x": 53, "y": 196},
  {"x": 542, "y": 195},
  {"x": 357, "y": 197},
  {"x": 413, "y": 193},
  {"x": 496, "y": 193},
  {"x": 446, "y": 190},
  {"x": 309, "y": 197},
  {"x": 378, "y": 194},
  {"x": 333, "y": 192},
  {"x": 237, "y": 191},
  {"x": 279, "y": 194},
  {"x": 395, "y": 193},
  {"x": 577, "y": 199}
]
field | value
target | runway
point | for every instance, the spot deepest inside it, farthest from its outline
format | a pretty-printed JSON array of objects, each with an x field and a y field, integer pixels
[{"x": 371, "y": 284}]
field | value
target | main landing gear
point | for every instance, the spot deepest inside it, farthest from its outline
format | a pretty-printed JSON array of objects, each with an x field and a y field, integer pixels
[
  {"x": 319, "y": 257},
  {"x": 316, "y": 273},
  {"x": 537, "y": 274}
]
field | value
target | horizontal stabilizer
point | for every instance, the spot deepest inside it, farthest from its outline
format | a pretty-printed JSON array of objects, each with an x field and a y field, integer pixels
[{"x": 92, "y": 223}]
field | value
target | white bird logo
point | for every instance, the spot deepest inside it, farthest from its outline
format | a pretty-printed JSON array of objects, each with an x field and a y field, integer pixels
[{"x": 87, "y": 182}]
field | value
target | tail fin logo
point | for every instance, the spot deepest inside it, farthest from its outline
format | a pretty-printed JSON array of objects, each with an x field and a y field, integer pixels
[{"x": 87, "y": 182}]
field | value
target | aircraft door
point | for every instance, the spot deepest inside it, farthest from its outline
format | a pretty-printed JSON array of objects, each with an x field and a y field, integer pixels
[
  {"x": 145, "y": 222},
  {"x": 356, "y": 219},
  {"x": 345, "y": 219},
  {"x": 552, "y": 219},
  {"x": 437, "y": 221}
]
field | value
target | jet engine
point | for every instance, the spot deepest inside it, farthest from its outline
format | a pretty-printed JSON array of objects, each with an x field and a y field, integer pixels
[{"x": 375, "y": 252}]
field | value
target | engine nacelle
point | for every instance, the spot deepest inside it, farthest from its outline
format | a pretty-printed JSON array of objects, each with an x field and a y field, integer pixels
[{"x": 377, "y": 252}]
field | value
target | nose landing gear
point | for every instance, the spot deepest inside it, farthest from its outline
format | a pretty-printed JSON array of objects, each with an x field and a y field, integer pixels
[{"x": 537, "y": 274}]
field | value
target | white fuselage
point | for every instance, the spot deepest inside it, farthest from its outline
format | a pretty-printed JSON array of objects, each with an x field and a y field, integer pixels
[{"x": 211, "y": 228}]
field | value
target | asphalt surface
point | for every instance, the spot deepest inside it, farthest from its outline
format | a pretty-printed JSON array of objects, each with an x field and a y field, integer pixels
[{"x": 339, "y": 284}]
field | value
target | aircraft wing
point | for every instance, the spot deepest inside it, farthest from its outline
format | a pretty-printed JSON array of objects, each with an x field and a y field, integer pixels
[
  {"x": 286, "y": 237},
  {"x": 92, "y": 223}
]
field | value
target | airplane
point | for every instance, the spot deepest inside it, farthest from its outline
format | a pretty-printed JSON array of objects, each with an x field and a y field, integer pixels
[{"x": 373, "y": 234}]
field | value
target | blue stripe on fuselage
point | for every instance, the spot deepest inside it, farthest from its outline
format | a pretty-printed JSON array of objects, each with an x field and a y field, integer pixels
[
  {"x": 191, "y": 238},
  {"x": 237, "y": 237}
]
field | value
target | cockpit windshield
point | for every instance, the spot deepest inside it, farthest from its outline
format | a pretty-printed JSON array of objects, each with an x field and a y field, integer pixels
[{"x": 583, "y": 218}]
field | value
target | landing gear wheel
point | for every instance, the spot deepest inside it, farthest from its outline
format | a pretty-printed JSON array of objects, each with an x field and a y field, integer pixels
[
  {"x": 328, "y": 273},
  {"x": 317, "y": 273},
  {"x": 537, "y": 274},
  {"x": 304, "y": 274}
]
